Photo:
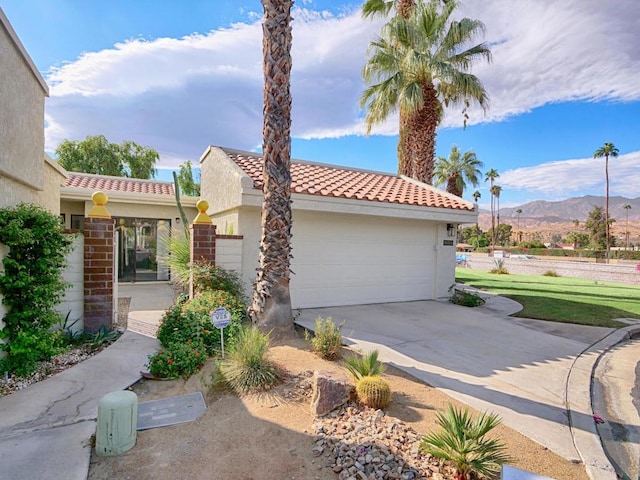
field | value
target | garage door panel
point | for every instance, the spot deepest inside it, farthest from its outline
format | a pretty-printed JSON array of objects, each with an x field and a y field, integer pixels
[{"x": 348, "y": 260}]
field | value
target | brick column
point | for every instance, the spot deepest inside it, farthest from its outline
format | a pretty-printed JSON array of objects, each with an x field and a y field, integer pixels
[
  {"x": 203, "y": 239},
  {"x": 99, "y": 271}
]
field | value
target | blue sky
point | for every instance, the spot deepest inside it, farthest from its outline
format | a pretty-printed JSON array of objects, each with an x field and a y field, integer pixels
[{"x": 178, "y": 76}]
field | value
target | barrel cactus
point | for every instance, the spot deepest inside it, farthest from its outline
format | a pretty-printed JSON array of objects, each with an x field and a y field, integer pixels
[{"x": 373, "y": 392}]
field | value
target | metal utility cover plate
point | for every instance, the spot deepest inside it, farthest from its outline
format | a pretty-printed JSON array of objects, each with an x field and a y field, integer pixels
[{"x": 170, "y": 411}]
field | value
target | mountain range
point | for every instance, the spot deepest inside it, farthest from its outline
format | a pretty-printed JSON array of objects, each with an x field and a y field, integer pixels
[{"x": 577, "y": 208}]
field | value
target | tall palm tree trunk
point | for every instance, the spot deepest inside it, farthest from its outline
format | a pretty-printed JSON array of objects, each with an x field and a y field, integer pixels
[
  {"x": 606, "y": 207},
  {"x": 421, "y": 136},
  {"x": 271, "y": 306}
]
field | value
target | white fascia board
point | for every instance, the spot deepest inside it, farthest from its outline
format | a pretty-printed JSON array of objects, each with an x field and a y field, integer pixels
[
  {"x": 73, "y": 193},
  {"x": 315, "y": 203}
]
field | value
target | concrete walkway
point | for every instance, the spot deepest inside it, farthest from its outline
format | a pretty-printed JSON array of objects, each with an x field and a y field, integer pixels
[
  {"x": 536, "y": 375},
  {"x": 45, "y": 430}
]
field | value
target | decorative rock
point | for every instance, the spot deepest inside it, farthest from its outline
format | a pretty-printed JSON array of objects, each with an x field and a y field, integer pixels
[{"x": 331, "y": 390}]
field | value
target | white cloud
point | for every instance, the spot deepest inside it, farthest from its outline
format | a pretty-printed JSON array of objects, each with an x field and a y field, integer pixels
[
  {"x": 180, "y": 95},
  {"x": 562, "y": 179}
]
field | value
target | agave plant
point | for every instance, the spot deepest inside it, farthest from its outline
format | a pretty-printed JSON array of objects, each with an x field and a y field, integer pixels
[
  {"x": 463, "y": 441},
  {"x": 366, "y": 366}
]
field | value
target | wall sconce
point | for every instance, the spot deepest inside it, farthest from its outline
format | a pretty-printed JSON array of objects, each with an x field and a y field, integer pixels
[
  {"x": 451, "y": 230},
  {"x": 177, "y": 220}
]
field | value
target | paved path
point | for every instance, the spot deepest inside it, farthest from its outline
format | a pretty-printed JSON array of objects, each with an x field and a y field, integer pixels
[
  {"x": 45, "y": 430},
  {"x": 535, "y": 374},
  {"x": 617, "y": 401}
]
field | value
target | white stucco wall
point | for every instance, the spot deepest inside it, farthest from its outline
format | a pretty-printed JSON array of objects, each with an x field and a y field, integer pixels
[
  {"x": 22, "y": 93},
  {"x": 229, "y": 253},
  {"x": 73, "y": 301}
]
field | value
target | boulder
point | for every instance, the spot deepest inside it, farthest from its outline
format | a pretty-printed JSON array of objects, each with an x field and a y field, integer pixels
[{"x": 331, "y": 390}]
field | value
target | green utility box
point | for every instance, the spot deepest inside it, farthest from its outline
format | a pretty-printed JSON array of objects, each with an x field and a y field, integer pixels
[{"x": 117, "y": 423}]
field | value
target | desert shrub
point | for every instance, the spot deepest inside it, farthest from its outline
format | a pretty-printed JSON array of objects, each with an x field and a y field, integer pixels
[
  {"x": 247, "y": 368},
  {"x": 373, "y": 392},
  {"x": 499, "y": 267},
  {"x": 466, "y": 299},
  {"x": 177, "y": 256},
  {"x": 191, "y": 320},
  {"x": 463, "y": 441},
  {"x": 31, "y": 285},
  {"x": 550, "y": 273},
  {"x": 178, "y": 359},
  {"x": 327, "y": 338},
  {"x": 367, "y": 365},
  {"x": 207, "y": 276}
]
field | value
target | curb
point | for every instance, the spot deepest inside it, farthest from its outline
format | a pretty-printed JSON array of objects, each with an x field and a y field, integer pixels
[{"x": 579, "y": 408}]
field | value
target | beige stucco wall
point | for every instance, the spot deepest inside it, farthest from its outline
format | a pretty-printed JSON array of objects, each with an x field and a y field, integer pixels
[
  {"x": 53, "y": 178},
  {"x": 221, "y": 181},
  {"x": 22, "y": 93}
]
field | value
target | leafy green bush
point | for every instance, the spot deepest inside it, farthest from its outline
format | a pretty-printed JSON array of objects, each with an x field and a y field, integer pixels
[
  {"x": 463, "y": 441},
  {"x": 177, "y": 256},
  {"x": 178, "y": 359},
  {"x": 191, "y": 320},
  {"x": 31, "y": 285},
  {"x": 366, "y": 366},
  {"x": 466, "y": 299},
  {"x": 551, "y": 273},
  {"x": 247, "y": 368},
  {"x": 327, "y": 338},
  {"x": 210, "y": 277}
]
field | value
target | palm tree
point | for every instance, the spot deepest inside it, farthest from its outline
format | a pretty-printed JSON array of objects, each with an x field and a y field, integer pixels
[
  {"x": 271, "y": 304},
  {"x": 491, "y": 175},
  {"x": 519, "y": 212},
  {"x": 374, "y": 8},
  {"x": 420, "y": 65},
  {"x": 627, "y": 207},
  {"x": 457, "y": 170},
  {"x": 608, "y": 149},
  {"x": 495, "y": 192},
  {"x": 476, "y": 196}
]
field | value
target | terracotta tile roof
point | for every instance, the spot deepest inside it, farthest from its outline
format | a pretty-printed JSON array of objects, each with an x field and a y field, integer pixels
[
  {"x": 342, "y": 182},
  {"x": 118, "y": 184}
]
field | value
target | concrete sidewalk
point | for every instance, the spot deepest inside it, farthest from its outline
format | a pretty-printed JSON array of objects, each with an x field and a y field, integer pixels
[
  {"x": 536, "y": 375},
  {"x": 45, "y": 430}
]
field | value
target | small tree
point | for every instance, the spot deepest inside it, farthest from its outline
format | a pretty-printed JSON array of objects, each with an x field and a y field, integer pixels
[
  {"x": 189, "y": 185},
  {"x": 596, "y": 227},
  {"x": 95, "y": 154}
]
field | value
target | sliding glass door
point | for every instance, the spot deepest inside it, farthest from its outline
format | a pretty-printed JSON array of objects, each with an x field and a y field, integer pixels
[{"x": 140, "y": 249}]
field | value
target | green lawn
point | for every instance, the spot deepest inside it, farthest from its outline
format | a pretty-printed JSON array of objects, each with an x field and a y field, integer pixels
[{"x": 560, "y": 299}]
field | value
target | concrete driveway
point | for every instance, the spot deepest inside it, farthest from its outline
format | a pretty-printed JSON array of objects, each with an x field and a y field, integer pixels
[{"x": 517, "y": 368}]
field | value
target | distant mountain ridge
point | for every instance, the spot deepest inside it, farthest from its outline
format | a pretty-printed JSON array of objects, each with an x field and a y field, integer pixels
[{"x": 576, "y": 208}]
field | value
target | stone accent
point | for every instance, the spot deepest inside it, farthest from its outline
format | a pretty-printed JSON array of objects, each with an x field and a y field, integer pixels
[
  {"x": 99, "y": 274},
  {"x": 331, "y": 390}
]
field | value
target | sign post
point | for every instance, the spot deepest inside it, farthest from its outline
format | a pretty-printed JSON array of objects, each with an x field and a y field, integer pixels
[{"x": 221, "y": 318}]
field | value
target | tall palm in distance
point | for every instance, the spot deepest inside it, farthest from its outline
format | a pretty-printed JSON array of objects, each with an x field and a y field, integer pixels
[
  {"x": 419, "y": 65},
  {"x": 495, "y": 192},
  {"x": 490, "y": 176},
  {"x": 607, "y": 150},
  {"x": 270, "y": 309},
  {"x": 457, "y": 170},
  {"x": 519, "y": 234},
  {"x": 627, "y": 207}
]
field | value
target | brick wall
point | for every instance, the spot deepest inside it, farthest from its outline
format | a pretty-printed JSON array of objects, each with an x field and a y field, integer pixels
[
  {"x": 203, "y": 245},
  {"x": 99, "y": 274}
]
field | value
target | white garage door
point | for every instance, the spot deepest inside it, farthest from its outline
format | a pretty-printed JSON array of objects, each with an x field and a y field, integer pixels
[{"x": 351, "y": 260}]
